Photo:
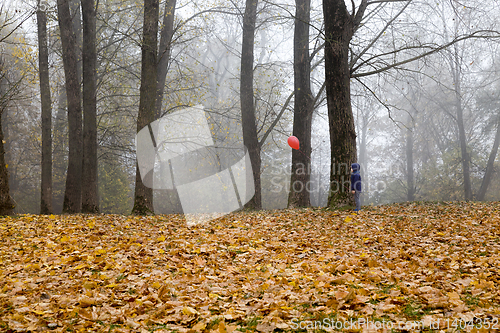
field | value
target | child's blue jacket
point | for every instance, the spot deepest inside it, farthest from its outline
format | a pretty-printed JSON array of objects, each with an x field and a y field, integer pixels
[{"x": 355, "y": 178}]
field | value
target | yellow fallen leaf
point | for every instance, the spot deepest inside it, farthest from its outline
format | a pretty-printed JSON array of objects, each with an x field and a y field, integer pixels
[
  {"x": 89, "y": 285},
  {"x": 199, "y": 327},
  {"x": 86, "y": 301},
  {"x": 187, "y": 310},
  {"x": 104, "y": 277},
  {"x": 100, "y": 252}
]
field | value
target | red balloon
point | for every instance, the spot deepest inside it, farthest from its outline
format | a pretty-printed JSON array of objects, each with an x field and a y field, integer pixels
[{"x": 293, "y": 142}]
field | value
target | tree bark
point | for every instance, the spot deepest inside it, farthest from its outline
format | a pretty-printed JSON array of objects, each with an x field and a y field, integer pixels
[
  {"x": 300, "y": 187},
  {"x": 166, "y": 34},
  {"x": 73, "y": 192},
  {"x": 59, "y": 152},
  {"x": 461, "y": 129},
  {"x": 339, "y": 29},
  {"x": 76, "y": 21},
  {"x": 167, "y": 31},
  {"x": 143, "y": 198},
  {"x": 490, "y": 166},
  {"x": 43, "y": 65},
  {"x": 6, "y": 202},
  {"x": 90, "y": 201},
  {"x": 248, "y": 120}
]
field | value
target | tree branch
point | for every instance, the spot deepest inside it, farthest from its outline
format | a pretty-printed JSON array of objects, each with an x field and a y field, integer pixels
[
  {"x": 357, "y": 57},
  {"x": 278, "y": 117},
  {"x": 433, "y": 50}
]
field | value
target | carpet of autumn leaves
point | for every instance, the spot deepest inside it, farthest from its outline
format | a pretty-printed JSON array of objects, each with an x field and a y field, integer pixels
[{"x": 435, "y": 265}]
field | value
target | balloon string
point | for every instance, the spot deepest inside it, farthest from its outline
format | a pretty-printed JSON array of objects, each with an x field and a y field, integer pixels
[{"x": 304, "y": 154}]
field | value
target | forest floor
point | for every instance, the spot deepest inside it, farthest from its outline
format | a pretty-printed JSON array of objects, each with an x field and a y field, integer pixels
[{"x": 411, "y": 267}]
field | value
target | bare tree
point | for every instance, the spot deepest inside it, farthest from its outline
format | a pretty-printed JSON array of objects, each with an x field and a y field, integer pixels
[
  {"x": 43, "y": 66},
  {"x": 143, "y": 198},
  {"x": 167, "y": 31},
  {"x": 456, "y": 71},
  {"x": 90, "y": 201},
  {"x": 340, "y": 26},
  {"x": 303, "y": 108},
  {"x": 73, "y": 193},
  {"x": 248, "y": 120},
  {"x": 7, "y": 91}
]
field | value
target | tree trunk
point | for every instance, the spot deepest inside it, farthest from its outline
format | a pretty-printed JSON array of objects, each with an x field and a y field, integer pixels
[
  {"x": 363, "y": 155},
  {"x": 143, "y": 198},
  {"x": 461, "y": 132},
  {"x": 410, "y": 175},
  {"x": 339, "y": 29},
  {"x": 90, "y": 201},
  {"x": 300, "y": 186},
  {"x": 490, "y": 166},
  {"x": 167, "y": 31},
  {"x": 59, "y": 152},
  {"x": 6, "y": 202},
  {"x": 73, "y": 193},
  {"x": 43, "y": 65},
  {"x": 166, "y": 34},
  {"x": 76, "y": 21},
  {"x": 248, "y": 120}
]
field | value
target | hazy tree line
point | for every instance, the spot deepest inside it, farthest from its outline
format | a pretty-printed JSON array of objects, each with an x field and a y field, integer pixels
[{"x": 407, "y": 88}]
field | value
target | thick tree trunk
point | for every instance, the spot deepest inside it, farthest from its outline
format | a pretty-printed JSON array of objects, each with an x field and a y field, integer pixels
[
  {"x": 167, "y": 31},
  {"x": 300, "y": 186},
  {"x": 76, "y": 20},
  {"x": 43, "y": 65},
  {"x": 73, "y": 193},
  {"x": 490, "y": 166},
  {"x": 90, "y": 201},
  {"x": 339, "y": 29},
  {"x": 143, "y": 198},
  {"x": 248, "y": 120}
]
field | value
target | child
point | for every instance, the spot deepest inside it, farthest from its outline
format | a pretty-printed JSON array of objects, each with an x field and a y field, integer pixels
[{"x": 356, "y": 184}]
